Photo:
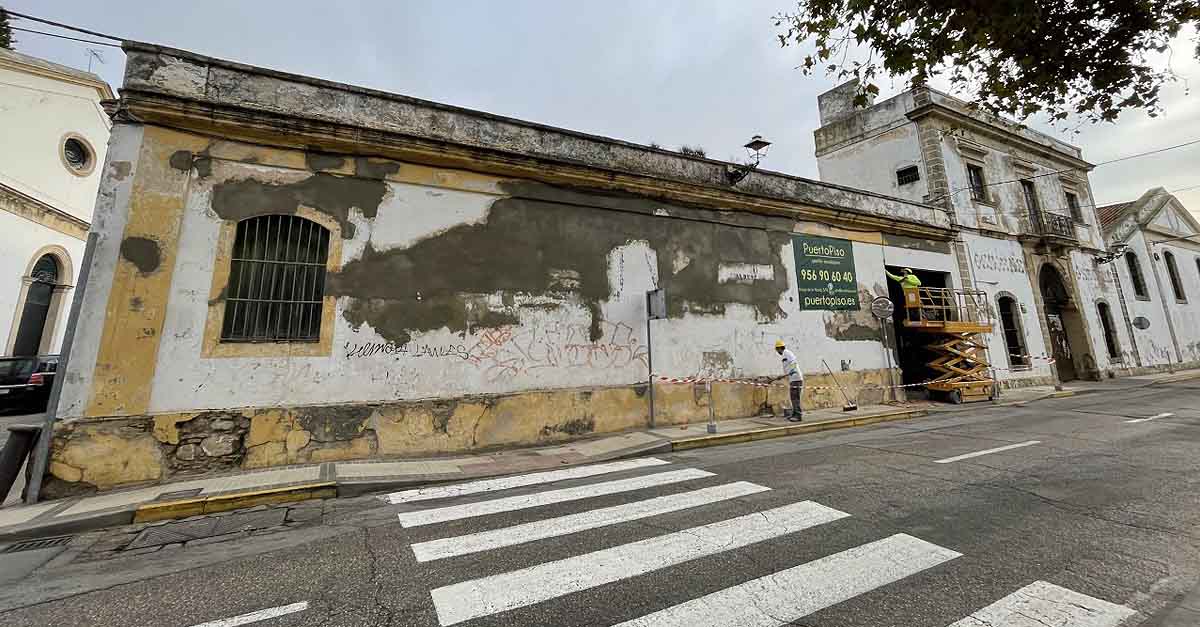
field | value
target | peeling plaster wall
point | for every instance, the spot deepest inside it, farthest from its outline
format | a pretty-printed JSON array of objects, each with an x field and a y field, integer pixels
[
  {"x": 1095, "y": 285},
  {"x": 512, "y": 336},
  {"x": 999, "y": 267},
  {"x": 112, "y": 206}
]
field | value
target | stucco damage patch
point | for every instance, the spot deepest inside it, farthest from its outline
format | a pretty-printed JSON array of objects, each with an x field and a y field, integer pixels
[
  {"x": 328, "y": 193},
  {"x": 859, "y": 325},
  {"x": 556, "y": 243},
  {"x": 142, "y": 252}
]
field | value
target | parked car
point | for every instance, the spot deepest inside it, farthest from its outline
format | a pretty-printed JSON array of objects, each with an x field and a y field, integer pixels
[{"x": 25, "y": 382}]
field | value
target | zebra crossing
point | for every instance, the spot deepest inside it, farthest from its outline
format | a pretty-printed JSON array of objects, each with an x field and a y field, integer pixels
[{"x": 775, "y": 599}]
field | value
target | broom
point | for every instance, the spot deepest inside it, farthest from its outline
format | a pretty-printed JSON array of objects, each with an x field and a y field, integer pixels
[{"x": 850, "y": 405}]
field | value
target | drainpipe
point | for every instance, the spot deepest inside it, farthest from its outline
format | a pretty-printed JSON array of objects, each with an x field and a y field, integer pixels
[{"x": 1163, "y": 297}]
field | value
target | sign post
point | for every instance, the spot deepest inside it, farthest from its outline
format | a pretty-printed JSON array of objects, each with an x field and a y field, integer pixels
[
  {"x": 883, "y": 308},
  {"x": 656, "y": 309},
  {"x": 825, "y": 276}
]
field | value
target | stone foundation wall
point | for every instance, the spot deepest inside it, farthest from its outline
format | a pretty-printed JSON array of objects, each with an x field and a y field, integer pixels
[{"x": 101, "y": 454}]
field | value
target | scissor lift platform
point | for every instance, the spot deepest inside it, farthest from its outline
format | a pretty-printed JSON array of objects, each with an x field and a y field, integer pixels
[{"x": 960, "y": 316}]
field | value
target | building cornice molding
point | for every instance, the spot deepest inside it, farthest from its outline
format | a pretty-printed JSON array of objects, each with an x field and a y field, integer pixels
[
  {"x": 940, "y": 111},
  {"x": 25, "y": 206}
]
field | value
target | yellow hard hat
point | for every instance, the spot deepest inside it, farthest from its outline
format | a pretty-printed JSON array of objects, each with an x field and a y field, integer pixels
[{"x": 779, "y": 344}]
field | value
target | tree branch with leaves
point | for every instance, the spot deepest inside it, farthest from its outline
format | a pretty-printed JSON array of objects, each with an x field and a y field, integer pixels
[{"x": 1014, "y": 57}]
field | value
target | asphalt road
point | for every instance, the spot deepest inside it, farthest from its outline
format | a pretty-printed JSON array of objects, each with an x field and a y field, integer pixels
[{"x": 1092, "y": 520}]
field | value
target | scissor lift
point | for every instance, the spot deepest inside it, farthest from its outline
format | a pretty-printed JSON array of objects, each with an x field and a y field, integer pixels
[{"x": 961, "y": 316}]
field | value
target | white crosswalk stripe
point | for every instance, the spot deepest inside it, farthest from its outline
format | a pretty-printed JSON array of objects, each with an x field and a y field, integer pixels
[
  {"x": 778, "y": 598},
  {"x": 791, "y": 594},
  {"x": 506, "y": 483},
  {"x": 563, "y": 525},
  {"x": 482, "y": 597},
  {"x": 417, "y": 518},
  {"x": 1041, "y": 603}
]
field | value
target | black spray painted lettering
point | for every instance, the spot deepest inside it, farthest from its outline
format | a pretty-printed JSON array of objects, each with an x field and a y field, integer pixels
[{"x": 399, "y": 351}]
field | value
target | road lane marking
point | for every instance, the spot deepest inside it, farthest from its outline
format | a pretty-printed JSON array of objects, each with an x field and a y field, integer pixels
[
  {"x": 505, "y": 483},
  {"x": 987, "y": 452},
  {"x": 499, "y": 593},
  {"x": 523, "y": 501},
  {"x": 254, "y": 617},
  {"x": 789, "y": 595},
  {"x": 574, "y": 523},
  {"x": 1041, "y": 603},
  {"x": 1154, "y": 417}
]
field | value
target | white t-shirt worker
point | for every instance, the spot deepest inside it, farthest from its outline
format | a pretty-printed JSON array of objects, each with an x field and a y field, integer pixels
[{"x": 795, "y": 377}]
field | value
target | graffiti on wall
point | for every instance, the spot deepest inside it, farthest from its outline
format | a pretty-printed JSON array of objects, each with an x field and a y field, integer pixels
[
  {"x": 511, "y": 351},
  {"x": 1000, "y": 262},
  {"x": 416, "y": 350}
]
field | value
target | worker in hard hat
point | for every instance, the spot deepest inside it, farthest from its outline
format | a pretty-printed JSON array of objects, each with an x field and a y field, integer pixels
[
  {"x": 906, "y": 278},
  {"x": 791, "y": 371}
]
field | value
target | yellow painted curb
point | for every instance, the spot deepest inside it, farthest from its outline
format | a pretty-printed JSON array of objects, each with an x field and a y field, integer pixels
[
  {"x": 797, "y": 429},
  {"x": 1063, "y": 394},
  {"x": 184, "y": 508}
]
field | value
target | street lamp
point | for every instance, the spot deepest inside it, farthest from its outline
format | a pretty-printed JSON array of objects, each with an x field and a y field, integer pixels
[{"x": 756, "y": 149}]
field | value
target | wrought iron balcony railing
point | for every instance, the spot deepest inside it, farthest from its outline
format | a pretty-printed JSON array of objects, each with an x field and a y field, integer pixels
[{"x": 1052, "y": 224}]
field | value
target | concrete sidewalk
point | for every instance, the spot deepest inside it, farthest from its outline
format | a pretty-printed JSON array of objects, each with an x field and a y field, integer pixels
[{"x": 279, "y": 485}]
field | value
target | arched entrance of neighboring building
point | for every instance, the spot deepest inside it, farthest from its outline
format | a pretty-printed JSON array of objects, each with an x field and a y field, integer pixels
[
  {"x": 1062, "y": 320},
  {"x": 38, "y": 299}
]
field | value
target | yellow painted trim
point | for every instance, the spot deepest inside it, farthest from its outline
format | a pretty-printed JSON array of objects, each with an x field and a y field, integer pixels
[
  {"x": 128, "y": 352},
  {"x": 409, "y": 173},
  {"x": 196, "y": 506},
  {"x": 213, "y": 347},
  {"x": 824, "y": 230}
]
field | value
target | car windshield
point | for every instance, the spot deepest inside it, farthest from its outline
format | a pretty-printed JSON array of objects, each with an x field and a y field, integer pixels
[{"x": 16, "y": 367}]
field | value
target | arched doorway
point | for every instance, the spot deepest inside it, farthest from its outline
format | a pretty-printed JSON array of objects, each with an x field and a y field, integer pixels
[
  {"x": 38, "y": 299},
  {"x": 1061, "y": 320}
]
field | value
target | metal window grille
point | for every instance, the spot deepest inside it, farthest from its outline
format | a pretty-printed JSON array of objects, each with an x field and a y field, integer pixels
[
  {"x": 1013, "y": 340},
  {"x": 911, "y": 174},
  {"x": 276, "y": 280},
  {"x": 978, "y": 185}
]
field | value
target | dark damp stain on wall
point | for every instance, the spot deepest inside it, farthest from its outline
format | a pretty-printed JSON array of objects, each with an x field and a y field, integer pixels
[
  {"x": 329, "y": 193},
  {"x": 142, "y": 252},
  {"x": 553, "y": 242}
]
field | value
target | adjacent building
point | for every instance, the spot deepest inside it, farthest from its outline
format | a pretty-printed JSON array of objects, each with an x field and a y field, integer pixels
[
  {"x": 1027, "y": 233},
  {"x": 55, "y": 137},
  {"x": 1156, "y": 259}
]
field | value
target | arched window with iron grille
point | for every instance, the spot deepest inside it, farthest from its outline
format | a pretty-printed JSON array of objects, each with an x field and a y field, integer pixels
[{"x": 276, "y": 280}]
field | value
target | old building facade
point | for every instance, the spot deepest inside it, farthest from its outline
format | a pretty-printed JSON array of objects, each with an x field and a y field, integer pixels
[
  {"x": 291, "y": 270},
  {"x": 1156, "y": 261},
  {"x": 1027, "y": 230},
  {"x": 55, "y": 136}
]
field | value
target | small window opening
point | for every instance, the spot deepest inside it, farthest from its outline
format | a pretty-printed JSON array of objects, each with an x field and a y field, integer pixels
[
  {"x": 911, "y": 174},
  {"x": 276, "y": 281},
  {"x": 978, "y": 183}
]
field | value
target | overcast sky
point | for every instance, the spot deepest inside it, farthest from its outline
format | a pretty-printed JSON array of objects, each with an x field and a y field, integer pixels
[{"x": 705, "y": 72}]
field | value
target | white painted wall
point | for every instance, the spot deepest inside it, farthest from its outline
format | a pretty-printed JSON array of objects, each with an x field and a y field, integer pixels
[
  {"x": 20, "y": 241},
  {"x": 872, "y": 164},
  {"x": 1154, "y": 344},
  {"x": 999, "y": 267},
  {"x": 36, "y": 112}
]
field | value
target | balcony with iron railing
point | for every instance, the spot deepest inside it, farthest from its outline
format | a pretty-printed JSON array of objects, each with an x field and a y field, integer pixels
[{"x": 1048, "y": 224}]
